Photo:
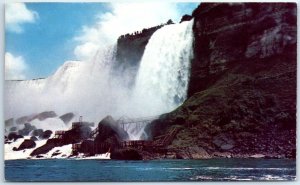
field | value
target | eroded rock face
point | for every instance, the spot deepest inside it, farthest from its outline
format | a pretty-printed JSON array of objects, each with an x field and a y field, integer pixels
[
  {"x": 233, "y": 34},
  {"x": 242, "y": 91}
]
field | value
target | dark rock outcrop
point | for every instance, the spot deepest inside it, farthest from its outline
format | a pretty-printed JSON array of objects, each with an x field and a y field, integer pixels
[
  {"x": 14, "y": 136},
  {"x": 46, "y": 134},
  {"x": 186, "y": 18},
  {"x": 111, "y": 126},
  {"x": 242, "y": 92},
  {"x": 27, "y": 143},
  {"x": 247, "y": 37},
  {"x": 51, "y": 143},
  {"x": 110, "y": 133},
  {"x": 126, "y": 154}
]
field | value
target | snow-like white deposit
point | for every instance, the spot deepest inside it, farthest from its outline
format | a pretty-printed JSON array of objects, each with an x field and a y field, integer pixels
[
  {"x": 61, "y": 152},
  {"x": 9, "y": 154},
  {"x": 98, "y": 156}
]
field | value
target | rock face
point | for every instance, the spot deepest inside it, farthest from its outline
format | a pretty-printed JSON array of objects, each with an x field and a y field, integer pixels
[
  {"x": 186, "y": 18},
  {"x": 130, "y": 49},
  {"x": 242, "y": 91},
  {"x": 77, "y": 134},
  {"x": 27, "y": 143},
  {"x": 110, "y": 134},
  {"x": 107, "y": 138},
  {"x": 193, "y": 153},
  {"x": 247, "y": 37},
  {"x": 46, "y": 134}
]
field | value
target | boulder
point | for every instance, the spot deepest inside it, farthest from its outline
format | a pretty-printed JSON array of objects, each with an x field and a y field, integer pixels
[
  {"x": 14, "y": 136},
  {"x": 46, "y": 134},
  {"x": 50, "y": 144},
  {"x": 186, "y": 18},
  {"x": 27, "y": 143},
  {"x": 55, "y": 153},
  {"x": 112, "y": 127}
]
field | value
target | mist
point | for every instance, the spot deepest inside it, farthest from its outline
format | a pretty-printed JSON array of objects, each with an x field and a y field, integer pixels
[{"x": 94, "y": 89}]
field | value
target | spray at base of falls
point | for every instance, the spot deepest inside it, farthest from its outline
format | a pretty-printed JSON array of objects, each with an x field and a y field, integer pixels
[{"x": 88, "y": 89}]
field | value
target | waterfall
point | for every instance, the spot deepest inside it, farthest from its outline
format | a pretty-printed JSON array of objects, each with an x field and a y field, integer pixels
[
  {"x": 163, "y": 76},
  {"x": 91, "y": 90},
  {"x": 81, "y": 87}
]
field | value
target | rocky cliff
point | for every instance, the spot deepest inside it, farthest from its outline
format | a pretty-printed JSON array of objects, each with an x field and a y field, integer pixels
[{"x": 242, "y": 91}]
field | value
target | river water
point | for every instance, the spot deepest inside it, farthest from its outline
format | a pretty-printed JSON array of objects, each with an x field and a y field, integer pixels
[{"x": 155, "y": 170}]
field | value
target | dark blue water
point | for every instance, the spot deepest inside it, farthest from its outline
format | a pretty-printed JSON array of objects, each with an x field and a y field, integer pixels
[{"x": 163, "y": 170}]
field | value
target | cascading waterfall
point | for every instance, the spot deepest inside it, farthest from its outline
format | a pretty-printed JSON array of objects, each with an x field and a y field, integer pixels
[
  {"x": 89, "y": 88},
  {"x": 162, "y": 80},
  {"x": 75, "y": 87},
  {"x": 164, "y": 70}
]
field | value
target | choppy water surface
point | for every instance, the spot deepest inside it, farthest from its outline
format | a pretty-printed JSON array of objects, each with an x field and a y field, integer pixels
[{"x": 158, "y": 170}]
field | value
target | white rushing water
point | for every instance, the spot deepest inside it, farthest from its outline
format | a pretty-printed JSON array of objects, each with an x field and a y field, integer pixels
[
  {"x": 163, "y": 76},
  {"x": 77, "y": 86},
  {"x": 88, "y": 89},
  {"x": 164, "y": 70}
]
